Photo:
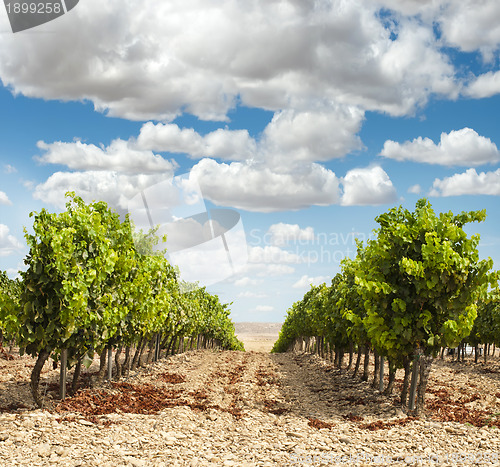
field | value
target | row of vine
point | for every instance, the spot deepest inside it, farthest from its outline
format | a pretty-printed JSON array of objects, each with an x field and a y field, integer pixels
[
  {"x": 92, "y": 284},
  {"x": 415, "y": 288}
]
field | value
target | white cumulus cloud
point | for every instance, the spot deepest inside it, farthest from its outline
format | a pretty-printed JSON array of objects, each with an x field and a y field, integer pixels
[
  {"x": 468, "y": 183},
  {"x": 415, "y": 189},
  {"x": 118, "y": 156},
  {"x": 4, "y": 199},
  {"x": 367, "y": 186},
  {"x": 291, "y": 136},
  {"x": 259, "y": 188},
  {"x": 485, "y": 85},
  {"x": 460, "y": 147},
  {"x": 114, "y": 188},
  {"x": 471, "y": 25},
  {"x": 9, "y": 244},
  {"x": 204, "y": 58},
  {"x": 221, "y": 143},
  {"x": 468, "y": 25},
  {"x": 410, "y": 7},
  {"x": 313, "y": 135}
]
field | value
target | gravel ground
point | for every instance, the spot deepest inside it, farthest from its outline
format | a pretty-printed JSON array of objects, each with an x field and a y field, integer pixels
[{"x": 207, "y": 408}]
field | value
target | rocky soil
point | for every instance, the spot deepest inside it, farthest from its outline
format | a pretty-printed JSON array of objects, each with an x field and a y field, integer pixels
[{"x": 206, "y": 408}]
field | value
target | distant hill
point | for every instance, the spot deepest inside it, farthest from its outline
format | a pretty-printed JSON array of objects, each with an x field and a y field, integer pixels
[
  {"x": 258, "y": 337},
  {"x": 257, "y": 328}
]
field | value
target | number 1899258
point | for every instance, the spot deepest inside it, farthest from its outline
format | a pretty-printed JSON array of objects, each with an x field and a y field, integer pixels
[{"x": 33, "y": 8}]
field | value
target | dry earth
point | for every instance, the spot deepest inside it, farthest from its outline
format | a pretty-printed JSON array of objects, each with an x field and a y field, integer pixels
[{"x": 207, "y": 408}]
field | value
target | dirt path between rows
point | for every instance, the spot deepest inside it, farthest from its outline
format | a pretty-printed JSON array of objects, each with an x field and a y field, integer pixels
[{"x": 207, "y": 408}]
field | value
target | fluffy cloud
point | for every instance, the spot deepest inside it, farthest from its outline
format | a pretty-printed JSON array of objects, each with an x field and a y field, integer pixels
[
  {"x": 113, "y": 174},
  {"x": 258, "y": 188},
  {"x": 118, "y": 156},
  {"x": 465, "y": 24},
  {"x": 291, "y": 136},
  {"x": 461, "y": 147},
  {"x": 8, "y": 243},
  {"x": 414, "y": 61},
  {"x": 318, "y": 67},
  {"x": 316, "y": 135},
  {"x": 468, "y": 183},
  {"x": 367, "y": 186},
  {"x": 485, "y": 85},
  {"x": 415, "y": 189},
  {"x": 4, "y": 199},
  {"x": 471, "y": 25},
  {"x": 409, "y": 7},
  {"x": 224, "y": 144},
  {"x": 204, "y": 58},
  {"x": 114, "y": 188},
  {"x": 282, "y": 234},
  {"x": 117, "y": 172},
  {"x": 305, "y": 281}
]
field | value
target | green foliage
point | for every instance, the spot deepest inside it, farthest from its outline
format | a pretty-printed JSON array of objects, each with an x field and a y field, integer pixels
[
  {"x": 421, "y": 278},
  {"x": 91, "y": 282},
  {"x": 76, "y": 262},
  {"x": 305, "y": 318},
  {"x": 341, "y": 303},
  {"x": 349, "y": 302},
  {"x": 10, "y": 291},
  {"x": 486, "y": 329},
  {"x": 416, "y": 285}
]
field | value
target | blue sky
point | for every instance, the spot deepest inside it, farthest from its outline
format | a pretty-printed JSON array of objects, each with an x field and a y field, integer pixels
[{"x": 307, "y": 118}]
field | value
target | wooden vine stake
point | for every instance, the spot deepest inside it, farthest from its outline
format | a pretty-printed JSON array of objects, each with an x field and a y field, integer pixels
[
  {"x": 414, "y": 380},
  {"x": 62, "y": 374},
  {"x": 381, "y": 379},
  {"x": 110, "y": 363}
]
